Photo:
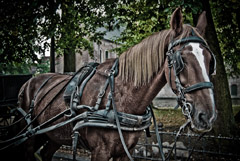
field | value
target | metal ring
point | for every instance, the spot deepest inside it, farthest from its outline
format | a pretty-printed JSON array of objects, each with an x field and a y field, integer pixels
[
  {"x": 187, "y": 109},
  {"x": 111, "y": 72}
]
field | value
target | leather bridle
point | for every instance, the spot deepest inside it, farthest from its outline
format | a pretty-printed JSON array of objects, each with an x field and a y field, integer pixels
[{"x": 176, "y": 63}]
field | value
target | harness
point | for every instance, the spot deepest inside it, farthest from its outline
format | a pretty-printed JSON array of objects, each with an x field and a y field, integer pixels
[
  {"x": 176, "y": 63},
  {"x": 92, "y": 117},
  {"x": 110, "y": 118}
]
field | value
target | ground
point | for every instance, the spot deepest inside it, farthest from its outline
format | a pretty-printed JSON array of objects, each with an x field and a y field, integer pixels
[{"x": 170, "y": 117}]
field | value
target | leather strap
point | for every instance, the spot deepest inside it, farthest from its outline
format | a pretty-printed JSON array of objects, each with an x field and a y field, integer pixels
[
  {"x": 185, "y": 40},
  {"x": 158, "y": 136},
  {"x": 111, "y": 81},
  {"x": 85, "y": 82},
  {"x": 197, "y": 86},
  {"x": 102, "y": 93},
  {"x": 74, "y": 144}
]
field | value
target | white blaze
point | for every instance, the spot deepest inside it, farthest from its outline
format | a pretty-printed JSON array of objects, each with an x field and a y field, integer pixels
[{"x": 198, "y": 52}]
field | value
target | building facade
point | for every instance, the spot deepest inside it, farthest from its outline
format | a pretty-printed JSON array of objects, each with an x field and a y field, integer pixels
[
  {"x": 101, "y": 51},
  {"x": 234, "y": 87}
]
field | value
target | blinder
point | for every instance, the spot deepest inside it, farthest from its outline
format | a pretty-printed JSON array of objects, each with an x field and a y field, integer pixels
[
  {"x": 178, "y": 61},
  {"x": 176, "y": 57}
]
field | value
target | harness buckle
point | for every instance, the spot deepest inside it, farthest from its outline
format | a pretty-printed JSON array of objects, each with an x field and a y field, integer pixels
[
  {"x": 112, "y": 72},
  {"x": 109, "y": 72},
  {"x": 101, "y": 94},
  {"x": 169, "y": 52},
  {"x": 32, "y": 104},
  {"x": 31, "y": 132}
]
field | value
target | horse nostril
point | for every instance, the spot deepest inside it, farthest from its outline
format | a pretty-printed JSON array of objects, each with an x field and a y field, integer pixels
[{"x": 203, "y": 119}]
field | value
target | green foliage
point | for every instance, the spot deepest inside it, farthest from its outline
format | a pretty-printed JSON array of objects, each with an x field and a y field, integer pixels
[
  {"x": 141, "y": 19},
  {"x": 25, "y": 67},
  {"x": 236, "y": 109},
  {"x": 42, "y": 67},
  {"x": 169, "y": 116},
  {"x": 226, "y": 18},
  {"x": 144, "y": 17},
  {"x": 15, "y": 23},
  {"x": 25, "y": 26},
  {"x": 15, "y": 68},
  {"x": 189, "y": 7}
]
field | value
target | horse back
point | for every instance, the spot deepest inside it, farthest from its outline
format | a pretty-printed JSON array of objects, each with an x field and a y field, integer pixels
[{"x": 39, "y": 91}]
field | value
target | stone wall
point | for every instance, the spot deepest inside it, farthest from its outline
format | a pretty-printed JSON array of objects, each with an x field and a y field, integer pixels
[
  {"x": 234, "y": 87},
  {"x": 165, "y": 98}
]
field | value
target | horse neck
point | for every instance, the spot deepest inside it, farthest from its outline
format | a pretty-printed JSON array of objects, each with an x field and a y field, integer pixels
[
  {"x": 137, "y": 98},
  {"x": 152, "y": 89}
]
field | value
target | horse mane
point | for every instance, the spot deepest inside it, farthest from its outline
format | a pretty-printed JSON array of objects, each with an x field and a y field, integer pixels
[{"x": 141, "y": 62}]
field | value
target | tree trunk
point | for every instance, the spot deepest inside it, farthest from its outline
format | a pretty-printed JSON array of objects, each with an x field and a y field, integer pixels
[
  {"x": 69, "y": 51},
  {"x": 69, "y": 61},
  {"x": 225, "y": 123},
  {"x": 53, "y": 8},
  {"x": 237, "y": 18},
  {"x": 52, "y": 55},
  {"x": 195, "y": 19},
  {"x": 237, "y": 116}
]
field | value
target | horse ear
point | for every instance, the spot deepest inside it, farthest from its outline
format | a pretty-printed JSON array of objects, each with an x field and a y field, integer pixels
[
  {"x": 177, "y": 20},
  {"x": 202, "y": 23}
]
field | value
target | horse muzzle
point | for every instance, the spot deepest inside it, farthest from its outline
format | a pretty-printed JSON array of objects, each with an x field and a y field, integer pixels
[{"x": 202, "y": 122}]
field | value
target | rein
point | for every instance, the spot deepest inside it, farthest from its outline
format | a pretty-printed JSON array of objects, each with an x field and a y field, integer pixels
[
  {"x": 93, "y": 117},
  {"x": 23, "y": 136},
  {"x": 176, "y": 63},
  {"x": 111, "y": 76},
  {"x": 177, "y": 137},
  {"x": 111, "y": 118},
  {"x": 111, "y": 82}
]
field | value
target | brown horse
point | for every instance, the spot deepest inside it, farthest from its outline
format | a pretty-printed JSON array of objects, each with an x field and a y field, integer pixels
[{"x": 143, "y": 71}]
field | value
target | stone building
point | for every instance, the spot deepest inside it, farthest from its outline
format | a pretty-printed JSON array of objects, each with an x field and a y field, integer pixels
[
  {"x": 101, "y": 52},
  {"x": 234, "y": 86}
]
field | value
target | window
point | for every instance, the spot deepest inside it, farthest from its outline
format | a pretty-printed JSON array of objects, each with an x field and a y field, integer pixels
[
  {"x": 234, "y": 90},
  {"x": 100, "y": 56},
  {"x": 106, "y": 54}
]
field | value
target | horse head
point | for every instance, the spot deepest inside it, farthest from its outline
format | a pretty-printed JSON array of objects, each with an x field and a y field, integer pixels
[{"x": 188, "y": 67}]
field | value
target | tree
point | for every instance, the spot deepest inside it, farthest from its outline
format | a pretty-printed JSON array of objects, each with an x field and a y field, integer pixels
[
  {"x": 69, "y": 26},
  {"x": 226, "y": 19},
  {"x": 22, "y": 31},
  {"x": 144, "y": 17},
  {"x": 225, "y": 123},
  {"x": 10, "y": 31},
  {"x": 25, "y": 26}
]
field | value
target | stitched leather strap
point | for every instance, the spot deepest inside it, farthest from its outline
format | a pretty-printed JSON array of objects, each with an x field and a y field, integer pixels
[
  {"x": 185, "y": 40},
  {"x": 197, "y": 86}
]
